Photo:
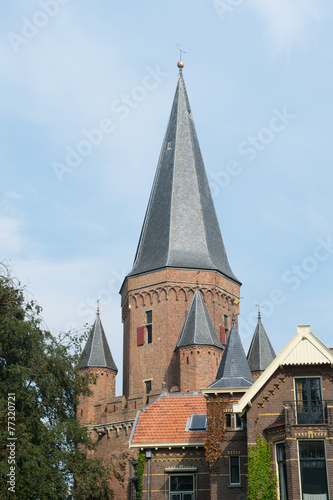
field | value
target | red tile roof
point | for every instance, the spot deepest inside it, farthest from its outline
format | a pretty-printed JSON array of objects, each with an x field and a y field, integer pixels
[{"x": 164, "y": 420}]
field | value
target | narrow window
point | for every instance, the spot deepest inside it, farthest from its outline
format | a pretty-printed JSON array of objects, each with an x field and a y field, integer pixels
[
  {"x": 234, "y": 471},
  {"x": 313, "y": 469},
  {"x": 148, "y": 386},
  {"x": 239, "y": 423},
  {"x": 282, "y": 470},
  {"x": 228, "y": 420},
  {"x": 225, "y": 321},
  {"x": 149, "y": 326}
]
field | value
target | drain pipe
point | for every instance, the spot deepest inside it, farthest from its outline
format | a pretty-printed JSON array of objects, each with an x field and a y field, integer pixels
[{"x": 149, "y": 454}]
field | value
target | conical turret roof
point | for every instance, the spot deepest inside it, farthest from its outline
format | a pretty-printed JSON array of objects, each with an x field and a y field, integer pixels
[
  {"x": 97, "y": 351},
  {"x": 181, "y": 227},
  {"x": 198, "y": 328},
  {"x": 234, "y": 371},
  {"x": 261, "y": 352}
]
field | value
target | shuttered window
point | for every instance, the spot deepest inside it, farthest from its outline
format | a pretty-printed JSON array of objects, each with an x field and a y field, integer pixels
[
  {"x": 140, "y": 335},
  {"x": 222, "y": 335}
]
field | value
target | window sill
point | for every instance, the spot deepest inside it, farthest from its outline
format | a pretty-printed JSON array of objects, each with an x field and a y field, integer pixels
[{"x": 235, "y": 486}]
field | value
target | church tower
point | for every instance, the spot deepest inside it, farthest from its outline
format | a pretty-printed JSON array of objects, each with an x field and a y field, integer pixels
[{"x": 180, "y": 249}]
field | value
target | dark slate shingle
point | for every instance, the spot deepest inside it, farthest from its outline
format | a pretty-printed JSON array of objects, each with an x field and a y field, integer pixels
[
  {"x": 234, "y": 370},
  {"x": 97, "y": 351},
  {"x": 261, "y": 352},
  {"x": 181, "y": 227},
  {"x": 198, "y": 327}
]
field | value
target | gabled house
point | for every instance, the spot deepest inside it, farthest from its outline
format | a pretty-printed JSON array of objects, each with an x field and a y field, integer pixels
[{"x": 291, "y": 405}]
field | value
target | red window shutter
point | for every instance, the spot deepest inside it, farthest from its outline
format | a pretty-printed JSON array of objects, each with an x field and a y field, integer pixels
[
  {"x": 140, "y": 335},
  {"x": 222, "y": 335}
]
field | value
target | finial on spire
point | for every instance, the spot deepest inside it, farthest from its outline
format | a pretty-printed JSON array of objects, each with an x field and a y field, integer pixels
[
  {"x": 98, "y": 300},
  {"x": 258, "y": 306},
  {"x": 180, "y": 63}
]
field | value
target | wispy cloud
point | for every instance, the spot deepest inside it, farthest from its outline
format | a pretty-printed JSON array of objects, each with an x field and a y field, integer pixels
[
  {"x": 10, "y": 238},
  {"x": 288, "y": 21}
]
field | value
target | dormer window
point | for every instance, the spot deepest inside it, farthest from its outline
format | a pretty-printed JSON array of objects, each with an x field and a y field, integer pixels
[{"x": 198, "y": 423}]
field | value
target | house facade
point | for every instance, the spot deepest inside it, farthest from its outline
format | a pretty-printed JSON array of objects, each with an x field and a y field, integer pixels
[{"x": 184, "y": 366}]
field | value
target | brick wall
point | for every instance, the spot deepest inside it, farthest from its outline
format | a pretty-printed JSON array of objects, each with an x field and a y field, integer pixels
[
  {"x": 101, "y": 392},
  {"x": 168, "y": 294},
  {"x": 198, "y": 366}
]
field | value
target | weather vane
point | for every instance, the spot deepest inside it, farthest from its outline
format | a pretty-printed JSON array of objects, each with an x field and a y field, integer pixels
[
  {"x": 98, "y": 301},
  {"x": 258, "y": 306},
  {"x": 180, "y": 50}
]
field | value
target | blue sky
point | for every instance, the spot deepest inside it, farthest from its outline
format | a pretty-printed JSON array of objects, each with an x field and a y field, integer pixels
[{"x": 259, "y": 79}]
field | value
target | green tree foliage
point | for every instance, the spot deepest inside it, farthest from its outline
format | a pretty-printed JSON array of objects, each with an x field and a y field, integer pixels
[
  {"x": 42, "y": 372},
  {"x": 261, "y": 478}
]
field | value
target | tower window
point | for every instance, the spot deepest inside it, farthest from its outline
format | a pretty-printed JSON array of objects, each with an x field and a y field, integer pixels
[
  {"x": 148, "y": 386},
  {"x": 149, "y": 326},
  {"x": 225, "y": 321}
]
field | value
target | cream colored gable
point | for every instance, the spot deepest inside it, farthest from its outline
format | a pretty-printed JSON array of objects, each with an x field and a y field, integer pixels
[
  {"x": 303, "y": 349},
  {"x": 306, "y": 353}
]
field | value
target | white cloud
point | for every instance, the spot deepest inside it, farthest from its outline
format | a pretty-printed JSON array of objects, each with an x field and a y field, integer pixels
[
  {"x": 10, "y": 238},
  {"x": 288, "y": 21}
]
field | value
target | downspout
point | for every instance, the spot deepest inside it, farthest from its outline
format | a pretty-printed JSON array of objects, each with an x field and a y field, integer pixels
[{"x": 149, "y": 454}]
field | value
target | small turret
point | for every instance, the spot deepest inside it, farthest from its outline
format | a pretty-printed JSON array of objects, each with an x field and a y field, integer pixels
[
  {"x": 98, "y": 360},
  {"x": 234, "y": 371},
  {"x": 198, "y": 347},
  {"x": 261, "y": 352}
]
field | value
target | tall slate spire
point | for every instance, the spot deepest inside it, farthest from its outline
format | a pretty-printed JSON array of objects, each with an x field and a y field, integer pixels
[
  {"x": 97, "y": 351},
  {"x": 234, "y": 371},
  {"x": 181, "y": 227},
  {"x": 198, "y": 328},
  {"x": 261, "y": 352}
]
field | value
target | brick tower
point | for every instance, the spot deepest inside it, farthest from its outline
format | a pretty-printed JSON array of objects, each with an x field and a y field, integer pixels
[
  {"x": 180, "y": 249},
  {"x": 98, "y": 359}
]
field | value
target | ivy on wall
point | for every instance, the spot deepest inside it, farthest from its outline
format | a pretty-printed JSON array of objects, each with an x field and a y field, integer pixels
[
  {"x": 216, "y": 427},
  {"x": 139, "y": 475},
  {"x": 262, "y": 479}
]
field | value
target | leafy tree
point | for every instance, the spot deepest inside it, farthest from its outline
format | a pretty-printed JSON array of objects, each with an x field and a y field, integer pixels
[
  {"x": 261, "y": 478},
  {"x": 41, "y": 371}
]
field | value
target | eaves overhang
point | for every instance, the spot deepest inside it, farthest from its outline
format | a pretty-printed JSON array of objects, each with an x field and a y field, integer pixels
[
  {"x": 216, "y": 391},
  {"x": 183, "y": 444}
]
